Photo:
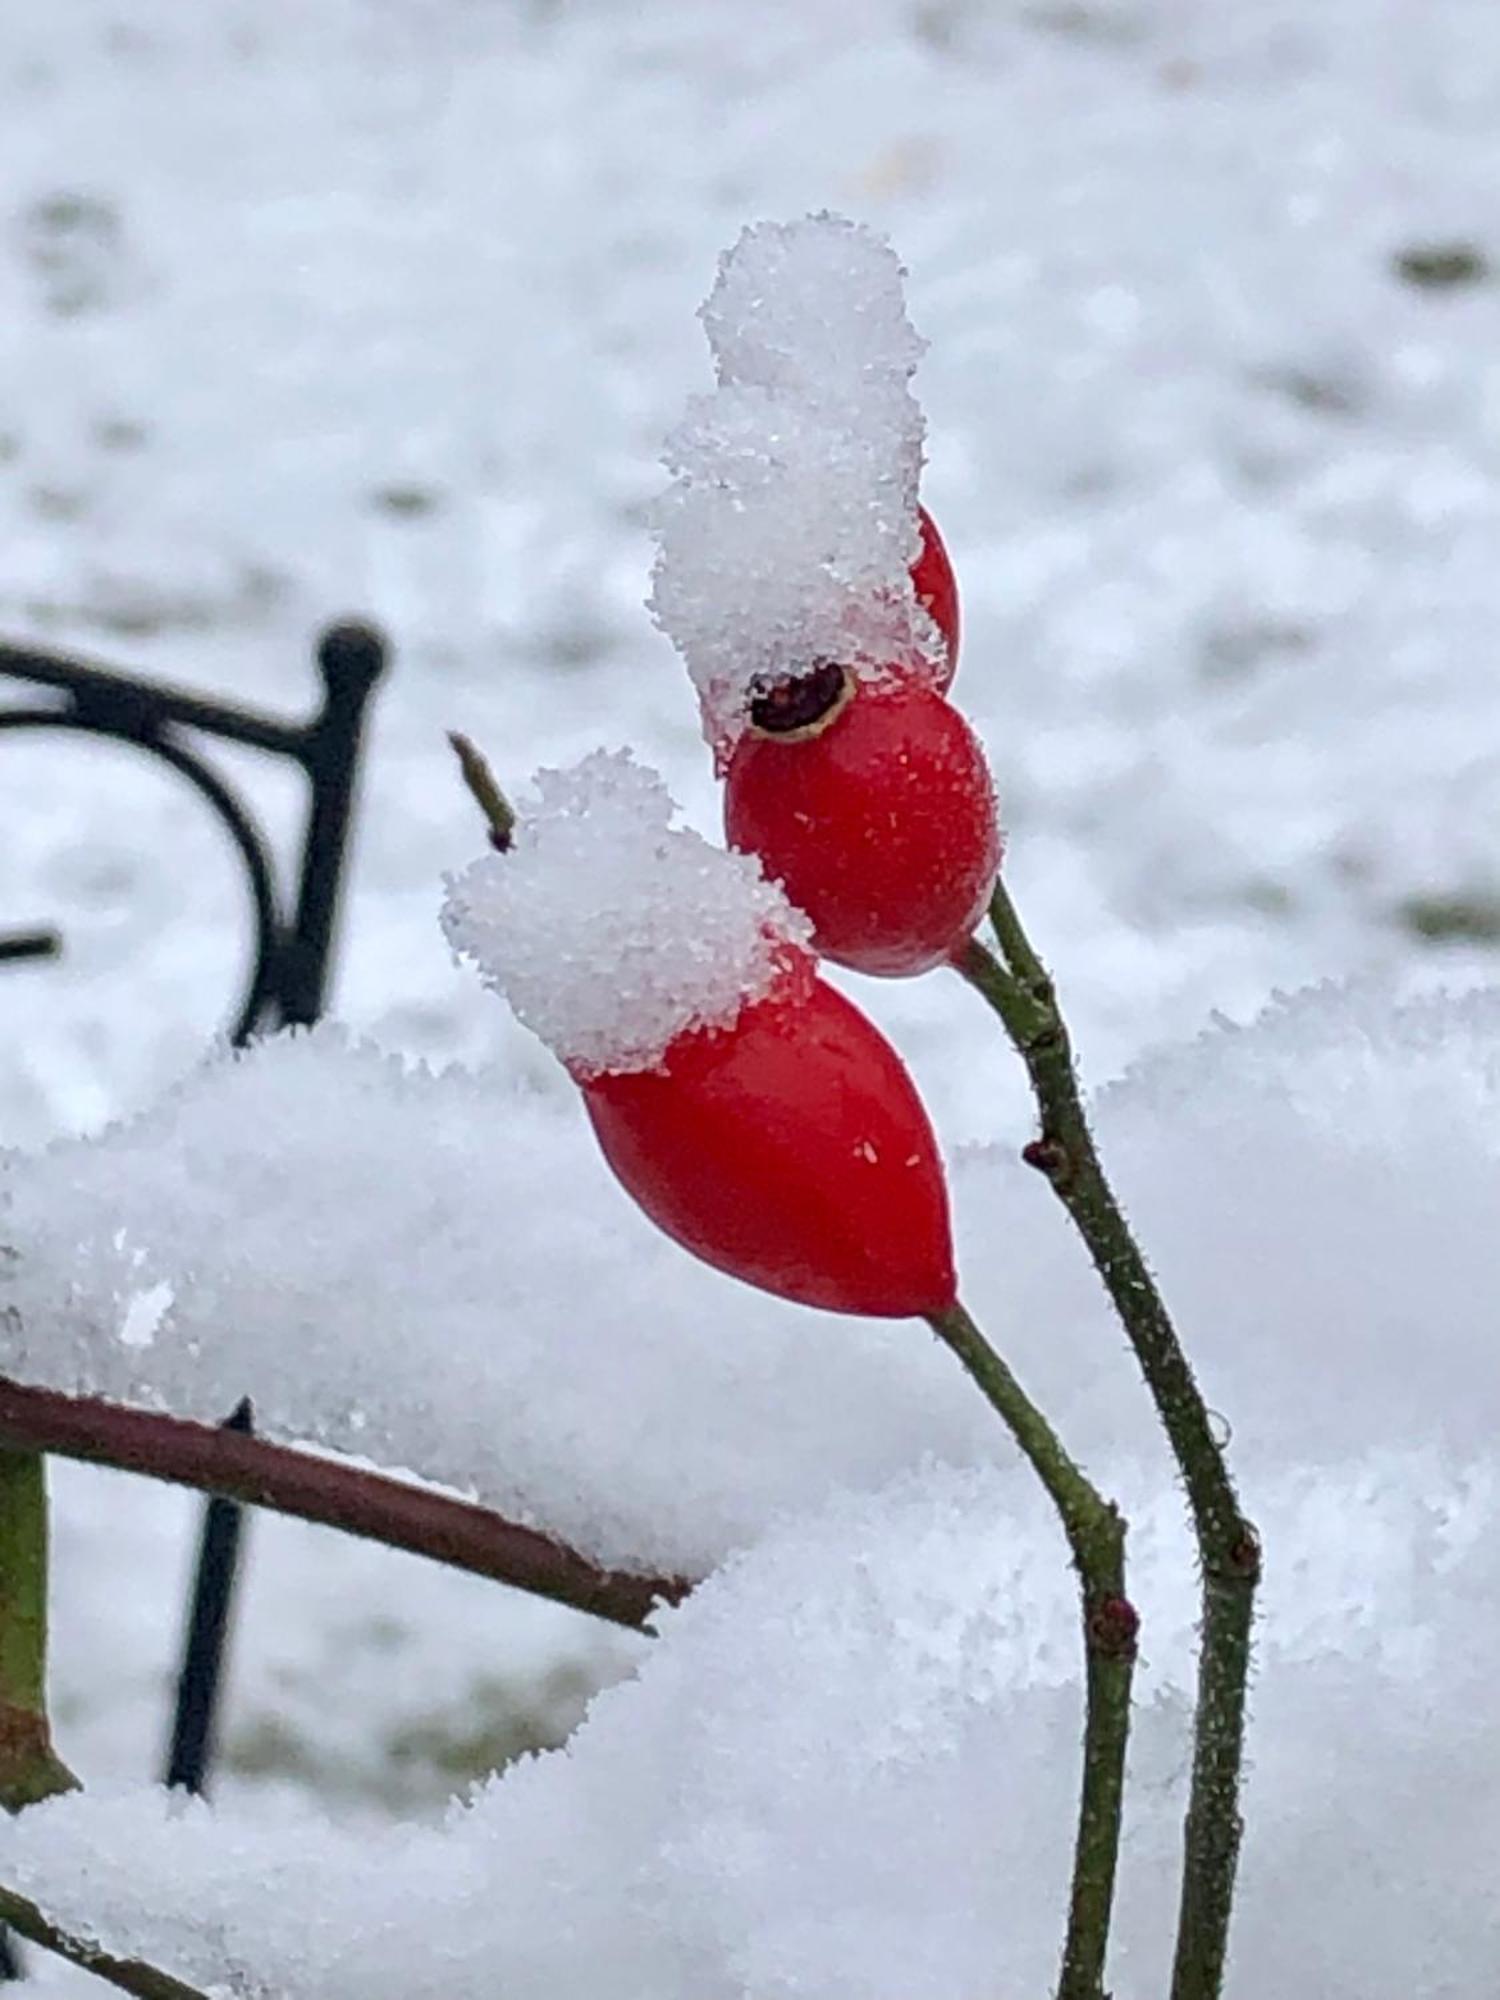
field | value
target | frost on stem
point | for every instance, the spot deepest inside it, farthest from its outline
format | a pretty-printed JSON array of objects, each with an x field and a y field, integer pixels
[
  {"x": 610, "y": 931},
  {"x": 791, "y": 526}
]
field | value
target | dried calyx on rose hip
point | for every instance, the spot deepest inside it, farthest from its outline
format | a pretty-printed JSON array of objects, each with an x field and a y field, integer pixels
[
  {"x": 793, "y": 530},
  {"x": 870, "y": 802},
  {"x": 753, "y": 1113}
]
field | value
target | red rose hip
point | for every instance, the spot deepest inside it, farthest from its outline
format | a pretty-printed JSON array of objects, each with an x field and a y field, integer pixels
[
  {"x": 937, "y": 590},
  {"x": 871, "y": 803},
  {"x": 750, "y": 1111},
  {"x": 790, "y": 1150}
]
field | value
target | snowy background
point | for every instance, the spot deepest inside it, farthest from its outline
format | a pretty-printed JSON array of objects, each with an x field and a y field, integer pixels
[{"x": 387, "y": 307}]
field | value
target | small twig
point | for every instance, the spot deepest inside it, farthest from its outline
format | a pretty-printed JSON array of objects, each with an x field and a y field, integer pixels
[
  {"x": 485, "y": 791},
  {"x": 1096, "y": 1537},
  {"x": 441, "y": 1526},
  {"x": 131, "y": 1975},
  {"x": 30, "y": 1768},
  {"x": 1021, "y": 993}
]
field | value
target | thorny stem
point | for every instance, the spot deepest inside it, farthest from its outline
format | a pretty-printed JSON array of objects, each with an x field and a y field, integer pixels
[
  {"x": 484, "y": 790},
  {"x": 131, "y": 1975},
  {"x": 29, "y": 1767},
  {"x": 1096, "y": 1537},
  {"x": 326, "y": 1490},
  {"x": 1021, "y": 992}
]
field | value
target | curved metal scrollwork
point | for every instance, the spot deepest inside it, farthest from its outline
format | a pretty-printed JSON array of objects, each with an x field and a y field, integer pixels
[
  {"x": 289, "y": 971},
  {"x": 248, "y": 840}
]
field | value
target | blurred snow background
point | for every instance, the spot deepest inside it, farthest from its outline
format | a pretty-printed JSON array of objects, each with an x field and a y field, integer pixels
[{"x": 386, "y": 305}]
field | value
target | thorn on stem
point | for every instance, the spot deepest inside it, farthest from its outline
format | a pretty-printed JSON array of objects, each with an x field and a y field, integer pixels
[
  {"x": 1244, "y": 1555},
  {"x": 1048, "y": 1156},
  {"x": 1114, "y": 1624}
]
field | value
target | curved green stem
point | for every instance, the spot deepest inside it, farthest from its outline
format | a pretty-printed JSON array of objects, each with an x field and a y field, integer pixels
[
  {"x": 1096, "y": 1537},
  {"x": 1021, "y": 992},
  {"x": 29, "y": 1768}
]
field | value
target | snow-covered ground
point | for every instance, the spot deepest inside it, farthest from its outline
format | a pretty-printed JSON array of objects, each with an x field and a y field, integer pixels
[{"x": 386, "y": 305}]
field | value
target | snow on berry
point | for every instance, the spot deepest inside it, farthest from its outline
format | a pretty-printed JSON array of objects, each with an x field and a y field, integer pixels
[
  {"x": 610, "y": 930},
  {"x": 791, "y": 529}
]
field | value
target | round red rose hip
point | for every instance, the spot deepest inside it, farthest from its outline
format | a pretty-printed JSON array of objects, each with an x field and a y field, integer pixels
[{"x": 871, "y": 803}]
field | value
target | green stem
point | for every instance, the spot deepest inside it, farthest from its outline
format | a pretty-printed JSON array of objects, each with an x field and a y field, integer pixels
[
  {"x": 1021, "y": 993},
  {"x": 29, "y": 1768},
  {"x": 1096, "y": 1537},
  {"x": 131, "y": 1975}
]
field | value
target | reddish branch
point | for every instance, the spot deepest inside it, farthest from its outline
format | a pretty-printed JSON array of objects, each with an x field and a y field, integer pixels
[
  {"x": 131, "y": 1975},
  {"x": 330, "y": 1491}
]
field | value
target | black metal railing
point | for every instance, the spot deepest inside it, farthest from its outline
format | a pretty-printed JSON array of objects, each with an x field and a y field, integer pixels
[{"x": 287, "y": 984}]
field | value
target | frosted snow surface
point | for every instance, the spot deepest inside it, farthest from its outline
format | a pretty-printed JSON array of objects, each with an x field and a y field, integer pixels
[
  {"x": 609, "y": 930},
  {"x": 439, "y": 1273},
  {"x": 847, "y": 1768},
  {"x": 791, "y": 525}
]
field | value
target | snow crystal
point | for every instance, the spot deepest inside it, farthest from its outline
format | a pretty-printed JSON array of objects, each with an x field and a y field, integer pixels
[
  {"x": 609, "y": 930},
  {"x": 848, "y": 1767},
  {"x": 789, "y": 531}
]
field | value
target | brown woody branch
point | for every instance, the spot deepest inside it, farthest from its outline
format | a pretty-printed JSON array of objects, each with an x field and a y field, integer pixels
[
  {"x": 130, "y": 1975},
  {"x": 330, "y": 1491}
]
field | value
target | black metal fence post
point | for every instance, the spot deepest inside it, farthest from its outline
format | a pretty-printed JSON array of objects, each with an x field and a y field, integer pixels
[
  {"x": 210, "y": 1607},
  {"x": 351, "y": 659},
  {"x": 287, "y": 984}
]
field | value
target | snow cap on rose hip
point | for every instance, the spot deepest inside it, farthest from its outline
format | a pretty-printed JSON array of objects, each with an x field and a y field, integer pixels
[
  {"x": 610, "y": 930},
  {"x": 754, "y": 1114},
  {"x": 791, "y": 529},
  {"x": 815, "y": 311}
]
